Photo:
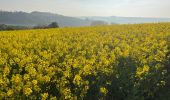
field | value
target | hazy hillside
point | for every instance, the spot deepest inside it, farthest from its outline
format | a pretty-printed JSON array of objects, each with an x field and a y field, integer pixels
[
  {"x": 39, "y": 18},
  {"x": 125, "y": 20},
  {"x": 45, "y": 18}
]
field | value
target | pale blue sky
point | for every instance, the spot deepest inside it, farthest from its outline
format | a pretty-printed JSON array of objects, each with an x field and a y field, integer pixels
[{"x": 131, "y": 8}]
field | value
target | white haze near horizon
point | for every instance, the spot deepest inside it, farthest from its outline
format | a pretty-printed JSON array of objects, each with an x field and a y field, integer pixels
[{"x": 126, "y": 8}]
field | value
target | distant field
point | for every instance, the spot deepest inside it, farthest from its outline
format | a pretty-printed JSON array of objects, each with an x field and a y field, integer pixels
[{"x": 119, "y": 62}]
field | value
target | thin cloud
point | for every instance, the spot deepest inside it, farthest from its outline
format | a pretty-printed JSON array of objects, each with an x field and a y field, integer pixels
[{"x": 142, "y": 8}]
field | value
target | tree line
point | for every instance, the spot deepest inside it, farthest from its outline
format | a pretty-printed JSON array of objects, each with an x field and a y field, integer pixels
[{"x": 4, "y": 27}]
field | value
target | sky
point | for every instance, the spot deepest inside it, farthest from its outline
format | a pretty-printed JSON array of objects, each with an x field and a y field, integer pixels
[{"x": 126, "y": 8}]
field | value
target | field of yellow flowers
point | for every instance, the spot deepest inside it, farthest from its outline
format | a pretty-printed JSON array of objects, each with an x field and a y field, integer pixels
[{"x": 119, "y": 62}]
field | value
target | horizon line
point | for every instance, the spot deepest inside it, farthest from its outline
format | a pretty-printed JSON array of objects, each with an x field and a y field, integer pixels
[{"x": 1, "y": 10}]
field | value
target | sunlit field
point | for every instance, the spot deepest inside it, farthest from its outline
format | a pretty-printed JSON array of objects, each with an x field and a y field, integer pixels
[{"x": 119, "y": 62}]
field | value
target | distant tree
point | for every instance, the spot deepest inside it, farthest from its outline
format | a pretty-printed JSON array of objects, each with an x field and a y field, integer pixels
[
  {"x": 113, "y": 23},
  {"x": 98, "y": 23},
  {"x": 40, "y": 26},
  {"x": 11, "y": 27},
  {"x": 53, "y": 25},
  {"x": 3, "y": 26}
]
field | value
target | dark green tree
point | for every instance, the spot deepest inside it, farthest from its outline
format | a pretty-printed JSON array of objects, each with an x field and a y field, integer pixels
[{"x": 53, "y": 25}]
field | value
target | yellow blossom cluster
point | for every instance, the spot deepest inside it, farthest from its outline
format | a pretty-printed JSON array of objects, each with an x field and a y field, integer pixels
[{"x": 118, "y": 62}]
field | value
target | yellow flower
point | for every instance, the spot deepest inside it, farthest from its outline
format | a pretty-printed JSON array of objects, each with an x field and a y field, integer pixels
[
  {"x": 18, "y": 88},
  {"x": 34, "y": 82},
  {"x": 140, "y": 71},
  {"x": 126, "y": 53},
  {"x": 10, "y": 92},
  {"x": 46, "y": 78},
  {"x": 87, "y": 69},
  {"x": 145, "y": 68},
  {"x": 6, "y": 70},
  {"x": 103, "y": 90},
  {"x": 44, "y": 96},
  {"x": 16, "y": 79},
  {"x": 26, "y": 77},
  {"x": 53, "y": 98},
  {"x": 27, "y": 91},
  {"x": 77, "y": 79}
]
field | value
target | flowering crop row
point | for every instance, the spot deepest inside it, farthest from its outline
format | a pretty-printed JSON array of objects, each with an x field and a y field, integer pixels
[{"x": 120, "y": 62}]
